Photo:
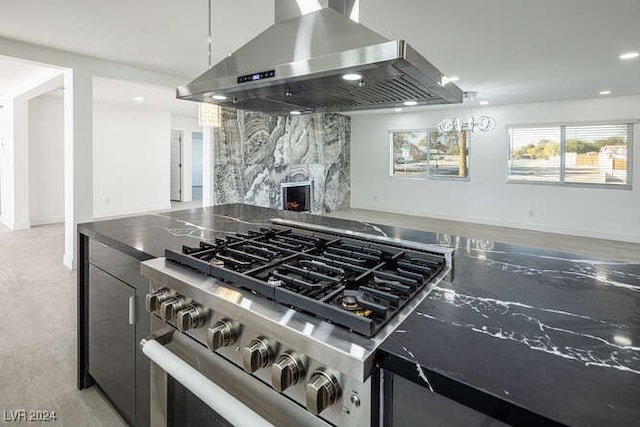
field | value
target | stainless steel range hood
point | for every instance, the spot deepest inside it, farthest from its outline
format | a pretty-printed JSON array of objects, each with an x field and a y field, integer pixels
[{"x": 298, "y": 64}]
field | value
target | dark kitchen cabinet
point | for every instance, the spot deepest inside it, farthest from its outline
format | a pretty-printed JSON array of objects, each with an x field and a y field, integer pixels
[
  {"x": 112, "y": 321},
  {"x": 112, "y": 339}
]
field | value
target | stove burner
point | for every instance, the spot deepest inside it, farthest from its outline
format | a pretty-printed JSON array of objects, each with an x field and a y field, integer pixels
[
  {"x": 354, "y": 304},
  {"x": 350, "y": 302}
]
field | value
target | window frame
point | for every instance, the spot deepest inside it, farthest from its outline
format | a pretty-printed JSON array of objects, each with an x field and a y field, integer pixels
[
  {"x": 427, "y": 174},
  {"x": 630, "y": 123}
]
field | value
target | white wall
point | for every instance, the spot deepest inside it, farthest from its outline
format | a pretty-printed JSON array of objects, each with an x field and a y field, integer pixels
[
  {"x": 79, "y": 71},
  {"x": 131, "y": 160},
  {"x": 46, "y": 159},
  {"x": 6, "y": 135},
  {"x": 14, "y": 166},
  {"x": 487, "y": 198},
  {"x": 196, "y": 161}
]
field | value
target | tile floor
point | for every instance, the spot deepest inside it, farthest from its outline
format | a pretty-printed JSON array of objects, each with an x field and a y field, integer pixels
[
  {"x": 38, "y": 300},
  {"x": 38, "y": 332}
]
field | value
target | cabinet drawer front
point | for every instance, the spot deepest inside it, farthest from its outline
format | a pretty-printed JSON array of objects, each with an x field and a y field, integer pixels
[
  {"x": 116, "y": 263},
  {"x": 112, "y": 344}
]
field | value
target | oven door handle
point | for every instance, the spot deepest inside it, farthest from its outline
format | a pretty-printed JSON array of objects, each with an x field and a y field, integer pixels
[{"x": 210, "y": 393}]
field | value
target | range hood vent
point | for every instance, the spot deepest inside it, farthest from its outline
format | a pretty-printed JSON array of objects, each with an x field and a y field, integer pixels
[{"x": 299, "y": 63}]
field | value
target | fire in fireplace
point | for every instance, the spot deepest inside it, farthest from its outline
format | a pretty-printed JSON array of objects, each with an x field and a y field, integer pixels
[{"x": 297, "y": 196}]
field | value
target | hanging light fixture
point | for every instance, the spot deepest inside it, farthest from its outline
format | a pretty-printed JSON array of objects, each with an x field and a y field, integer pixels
[
  {"x": 473, "y": 123},
  {"x": 210, "y": 115}
]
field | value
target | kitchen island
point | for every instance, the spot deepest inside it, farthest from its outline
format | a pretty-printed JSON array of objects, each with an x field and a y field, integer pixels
[{"x": 515, "y": 331}]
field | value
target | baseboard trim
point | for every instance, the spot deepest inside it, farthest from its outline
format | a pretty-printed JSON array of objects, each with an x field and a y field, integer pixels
[
  {"x": 46, "y": 221},
  {"x": 68, "y": 262},
  {"x": 141, "y": 210},
  {"x": 15, "y": 226}
]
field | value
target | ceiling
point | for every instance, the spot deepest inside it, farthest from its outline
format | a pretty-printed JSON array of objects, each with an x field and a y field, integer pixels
[
  {"x": 136, "y": 95},
  {"x": 167, "y": 36},
  {"x": 521, "y": 51},
  {"x": 508, "y": 51},
  {"x": 15, "y": 75}
]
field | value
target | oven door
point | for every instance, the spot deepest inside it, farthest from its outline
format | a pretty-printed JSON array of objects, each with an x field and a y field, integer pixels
[{"x": 192, "y": 386}]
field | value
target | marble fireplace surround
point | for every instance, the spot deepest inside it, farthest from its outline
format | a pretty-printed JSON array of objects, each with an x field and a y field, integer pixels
[{"x": 255, "y": 153}]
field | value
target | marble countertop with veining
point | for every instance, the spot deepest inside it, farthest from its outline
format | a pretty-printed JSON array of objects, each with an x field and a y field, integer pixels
[{"x": 555, "y": 333}]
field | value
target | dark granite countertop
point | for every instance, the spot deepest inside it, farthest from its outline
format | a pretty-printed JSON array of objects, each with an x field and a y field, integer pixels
[{"x": 555, "y": 333}]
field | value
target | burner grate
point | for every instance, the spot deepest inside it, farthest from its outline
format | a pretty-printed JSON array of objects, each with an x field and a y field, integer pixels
[{"x": 354, "y": 283}]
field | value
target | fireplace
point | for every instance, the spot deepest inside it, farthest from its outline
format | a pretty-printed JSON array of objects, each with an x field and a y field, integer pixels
[{"x": 297, "y": 196}]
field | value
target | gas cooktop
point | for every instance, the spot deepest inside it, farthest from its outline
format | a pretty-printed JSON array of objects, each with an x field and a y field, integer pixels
[{"x": 354, "y": 280}]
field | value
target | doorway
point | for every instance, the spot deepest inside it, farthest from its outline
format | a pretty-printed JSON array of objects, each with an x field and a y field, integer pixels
[
  {"x": 45, "y": 138},
  {"x": 196, "y": 166},
  {"x": 176, "y": 165}
]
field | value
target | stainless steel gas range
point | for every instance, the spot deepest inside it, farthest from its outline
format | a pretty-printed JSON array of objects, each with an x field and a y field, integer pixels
[{"x": 280, "y": 326}]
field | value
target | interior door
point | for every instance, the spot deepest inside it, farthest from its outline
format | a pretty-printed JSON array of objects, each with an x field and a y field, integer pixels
[
  {"x": 196, "y": 166},
  {"x": 176, "y": 165}
]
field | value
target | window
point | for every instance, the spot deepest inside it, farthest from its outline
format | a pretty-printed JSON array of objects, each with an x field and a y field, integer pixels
[
  {"x": 429, "y": 154},
  {"x": 571, "y": 154}
]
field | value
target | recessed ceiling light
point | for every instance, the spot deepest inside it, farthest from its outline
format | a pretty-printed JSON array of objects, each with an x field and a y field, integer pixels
[
  {"x": 447, "y": 79},
  {"x": 629, "y": 55},
  {"x": 295, "y": 113},
  {"x": 219, "y": 97},
  {"x": 138, "y": 98},
  {"x": 484, "y": 102},
  {"x": 410, "y": 103},
  {"x": 352, "y": 77},
  {"x": 398, "y": 109},
  {"x": 605, "y": 92}
]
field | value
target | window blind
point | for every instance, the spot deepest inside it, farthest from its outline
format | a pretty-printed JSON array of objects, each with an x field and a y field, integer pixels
[{"x": 571, "y": 154}]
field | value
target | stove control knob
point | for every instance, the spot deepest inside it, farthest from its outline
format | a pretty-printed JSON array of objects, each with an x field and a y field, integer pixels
[
  {"x": 323, "y": 390},
  {"x": 191, "y": 317},
  {"x": 258, "y": 354},
  {"x": 224, "y": 333},
  {"x": 156, "y": 298},
  {"x": 170, "y": 307},
  {"x": 286, "y": 371}
]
